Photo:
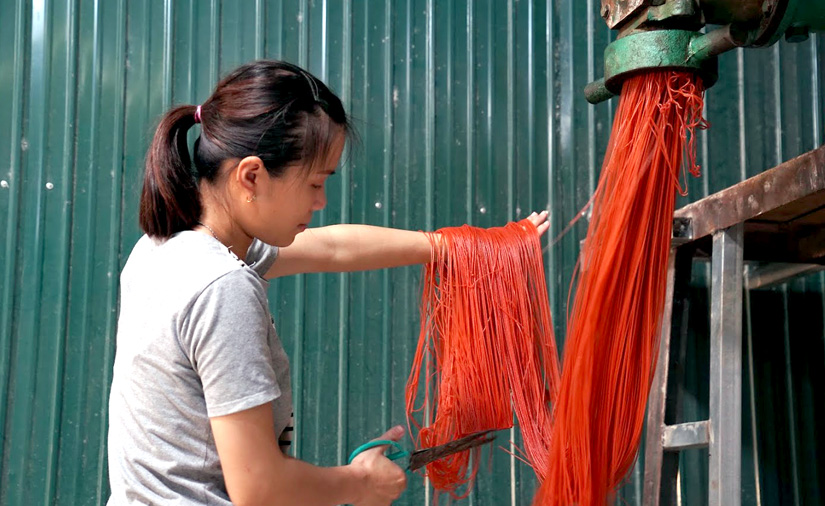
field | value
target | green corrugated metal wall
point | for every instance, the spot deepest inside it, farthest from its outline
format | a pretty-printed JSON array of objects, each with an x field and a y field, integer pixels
[{"x": 470, "y": 111}]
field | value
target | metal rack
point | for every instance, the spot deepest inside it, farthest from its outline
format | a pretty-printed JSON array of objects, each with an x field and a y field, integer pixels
[{"x": 775, "y": 222}]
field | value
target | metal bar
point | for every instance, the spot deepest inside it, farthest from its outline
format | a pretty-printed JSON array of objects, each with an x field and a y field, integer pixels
[
  {"x": 754, "y": 440},
  {"x": 656, "y": 401},
  {"x": 725, "y": 448},
  {"x": 764, "y": 276},
  {"x": 664, "y": 403},
  {"x": 668, "y": 493},
  {"x": 795, "y": 179},
  {"x": 792, "y": 421},
  {"x": 685, "y": 436},
  {"x": 716, "y": 42}
]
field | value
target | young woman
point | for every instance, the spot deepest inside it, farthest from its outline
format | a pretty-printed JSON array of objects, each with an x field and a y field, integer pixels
[{"x": 201, "y": 407}]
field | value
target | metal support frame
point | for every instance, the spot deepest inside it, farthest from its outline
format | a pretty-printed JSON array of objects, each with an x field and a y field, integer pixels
[
  {"x": 772, "y": 213},
  {"x": 725, "y": 446},
  {"x": 721, "y": 433},
  {"x": 665, "y": 402},
  {"x": 654, "y": 451}
]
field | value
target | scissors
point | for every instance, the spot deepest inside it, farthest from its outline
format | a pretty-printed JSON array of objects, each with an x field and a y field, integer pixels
[{"x": 420, "y": 458}]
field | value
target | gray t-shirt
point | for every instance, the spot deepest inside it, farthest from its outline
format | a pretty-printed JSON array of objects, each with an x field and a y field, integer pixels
[{"x": 195, "y": 339}]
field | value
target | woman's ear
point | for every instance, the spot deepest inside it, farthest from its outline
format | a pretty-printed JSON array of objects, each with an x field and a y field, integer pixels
[{"x": 248, "y": 176}]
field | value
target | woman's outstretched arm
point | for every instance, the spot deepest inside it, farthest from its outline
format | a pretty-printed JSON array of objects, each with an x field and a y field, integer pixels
[{"x": 346, "y": 248}]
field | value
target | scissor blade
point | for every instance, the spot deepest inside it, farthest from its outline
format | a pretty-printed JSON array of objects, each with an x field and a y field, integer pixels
[{"x": 423, "y": 457}]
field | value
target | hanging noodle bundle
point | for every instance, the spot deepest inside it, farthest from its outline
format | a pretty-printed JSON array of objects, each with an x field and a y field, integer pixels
[
  {"x": 611, "y": 348},
  {"x": 486, "y": 325}
]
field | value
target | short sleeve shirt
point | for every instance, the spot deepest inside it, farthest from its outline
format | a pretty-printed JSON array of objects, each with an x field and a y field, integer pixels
[{"x": 195, "y": 340}]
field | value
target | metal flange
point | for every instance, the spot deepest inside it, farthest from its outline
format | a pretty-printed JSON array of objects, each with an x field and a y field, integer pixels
[{"x": 655, "y": 49}]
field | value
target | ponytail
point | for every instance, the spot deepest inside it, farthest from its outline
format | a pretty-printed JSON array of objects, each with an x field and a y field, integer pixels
[
  {"x": 270, "y": 109},
  {"x": 170, "y": 202}
]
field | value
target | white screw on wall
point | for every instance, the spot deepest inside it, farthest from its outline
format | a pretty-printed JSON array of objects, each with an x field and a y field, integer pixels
[
  {"x": 49, "y": 186},
  {"x": 4, "y": 184},
  {"x": 483, "y": 210},
  {"x": 378, "y": 205}
]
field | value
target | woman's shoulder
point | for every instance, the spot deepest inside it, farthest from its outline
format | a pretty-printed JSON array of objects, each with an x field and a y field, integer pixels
[
  {"x": 260, "y": 256},
  {"x": 188, "y": 261}
]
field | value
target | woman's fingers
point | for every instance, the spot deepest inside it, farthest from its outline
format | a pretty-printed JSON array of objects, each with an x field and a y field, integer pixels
[
  {"x": 539, "y": 220},
  {"x": 544, "y": 227},
  {"x": 394, "y": 434},
  {"x": 385, "y": 481}
]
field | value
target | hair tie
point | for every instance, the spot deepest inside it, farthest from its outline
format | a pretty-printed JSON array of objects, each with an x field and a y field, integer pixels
[{"x": 198, "y": 114}]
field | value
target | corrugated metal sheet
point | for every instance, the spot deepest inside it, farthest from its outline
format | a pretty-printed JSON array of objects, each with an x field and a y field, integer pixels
[{"x": 469, "y": 111}]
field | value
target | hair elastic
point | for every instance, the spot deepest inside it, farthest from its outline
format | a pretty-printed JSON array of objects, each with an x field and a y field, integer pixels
[{"x": 198, "y": 114}]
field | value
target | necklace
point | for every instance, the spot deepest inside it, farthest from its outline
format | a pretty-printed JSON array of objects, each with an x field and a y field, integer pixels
[{"x": 207, "y": 227}]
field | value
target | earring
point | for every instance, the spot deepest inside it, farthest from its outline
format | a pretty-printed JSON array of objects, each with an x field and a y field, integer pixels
[{"x": 251, "y": 199}]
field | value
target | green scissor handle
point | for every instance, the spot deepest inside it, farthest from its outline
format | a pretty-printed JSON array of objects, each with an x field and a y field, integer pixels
[{"x": 400, "y": 452}]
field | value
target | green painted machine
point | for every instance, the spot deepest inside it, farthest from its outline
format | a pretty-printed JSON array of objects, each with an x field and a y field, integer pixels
[{"x": 666, "y": 34}]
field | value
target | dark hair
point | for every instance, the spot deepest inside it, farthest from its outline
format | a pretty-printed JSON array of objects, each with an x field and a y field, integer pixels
[{"x": 270, "y": 109}]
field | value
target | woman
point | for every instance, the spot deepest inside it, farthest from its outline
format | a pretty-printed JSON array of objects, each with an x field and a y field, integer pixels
[{"x": 201, "y": 406}]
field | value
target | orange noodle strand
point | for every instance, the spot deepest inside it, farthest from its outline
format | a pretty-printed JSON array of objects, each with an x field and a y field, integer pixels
[
  {"x": 612, "y": 343},
  {"x": 486, "y": 344},
  {"x": 486, "y": 326}
]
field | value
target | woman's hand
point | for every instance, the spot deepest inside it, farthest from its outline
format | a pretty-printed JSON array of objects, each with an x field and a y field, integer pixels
[
  {"x": 383, "y": 481},
  {"x": 540, "y": 221},
  {"x": 257, "y": 473}
]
